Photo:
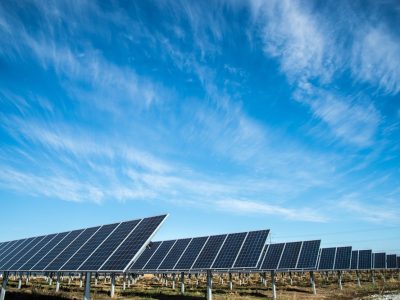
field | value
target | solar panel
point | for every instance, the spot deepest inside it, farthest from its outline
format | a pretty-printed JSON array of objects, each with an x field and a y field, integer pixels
[
  {"x": 327, "y": 258},
  {"x": 17, "y": 262},
  {"x": 52, "y": 254},
  {"x": 354, "y": 260},
  {"x": 39, "y": 255},
  {"x": 70, "y": 250},
  {"x": 343, "y": 258},
  {"x": 391, "y": 261},
  {"x": 251, "y": 250},
  {"x": 191, "y": 253},
  {"x": 133, "y": 245},
  {"x": 146, "y": 255},
  {"x": 209, "y": 252},
  {"x": 175, "y": 253},
  {"x": 229, "y": 251},
  {"x": 398, "y": 262},
  {"x": 290, "y": 255},
  {"x": 13, "y": 251},
  {"x": 272, "y": 256},
  {"x": 160, "y": 254},
  {"x": 308, "y": 255},
  {"x": 365, "y": 259},
  {"x": 380, "y": 260},
  {"x": 98, "y": 257}
]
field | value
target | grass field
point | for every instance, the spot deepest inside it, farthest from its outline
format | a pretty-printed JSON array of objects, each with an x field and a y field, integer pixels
[{"x": 151, "y": 287}]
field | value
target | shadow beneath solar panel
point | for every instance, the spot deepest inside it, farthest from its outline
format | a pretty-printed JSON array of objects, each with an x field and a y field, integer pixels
[
  {"x": 161, "y": 296},
  {"x": 12, "y": 295}
]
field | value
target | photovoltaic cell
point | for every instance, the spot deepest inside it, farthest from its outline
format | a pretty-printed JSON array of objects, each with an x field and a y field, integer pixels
[
  {"x": 380, "y": 260},
  {"x": 309, "y": 255},
  {"x": 160, "y": 254},
  {"x": 354, "y": 260},
  {"x": 398, "y": 262},
  {"x": 99, "y": 256},
  {"x": 39, "y": 255},
  {"x": 343, "y": 258},
  {"x": 133, "y": 244},
  {"x": 290, "y": 255},
  {"x": 365, "y": 259},
  {"x": 327, "y": 258},
  {"x": 67, "y": 253},
  {"x": 251, "y": 249},
  {"x": 172, "y": 258},
  {"x": 13, "y": 251},
  {"x": 391, "y": 261},
  {"x": 31, "y": 252},
  {"x": 272, "y": 257},
  {"x": 146, "y": 255},
  {"x": 192, "y": 251},
  {"x": 79, "y": 257},
  {"x": 49, "y": 257},
  {"x": 209, "y": 252},
  {"x": 229, "y": 251}
]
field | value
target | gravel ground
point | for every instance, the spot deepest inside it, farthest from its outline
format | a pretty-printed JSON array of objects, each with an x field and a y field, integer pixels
[{"x": 383, "y": 297}]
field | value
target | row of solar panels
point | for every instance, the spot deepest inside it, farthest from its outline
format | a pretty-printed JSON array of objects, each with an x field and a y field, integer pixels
[
  {"x": 104, "y": 248},
  {"x": 224, "y": 253},
  {"x": 228, "y": 251}
]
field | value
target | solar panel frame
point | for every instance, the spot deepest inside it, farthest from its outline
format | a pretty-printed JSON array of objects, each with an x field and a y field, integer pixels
[
  {"x": 57, "y": 250},
  {"x": 327, "y": 259},
  {"x": 354, "y": 260},
  {"x": 250, "y": 254},
  {"x": 364, "y": 259},
  {"x": 391, "y": 262},
  {"x": 31, "y": 252},
  {"x": 147, "y": 254},
  {"x": 157, "y": 258},
  {"x": 174, "y": 254},
  {"x": 272, "y": 257},
  {"x": 229, "y": 251},
  {"x": 97, "y": 258},
  {"x": 290, "y": 256},
  {"x": 308, "y": 257},
  {"x": 209, "y": 252},
  {"x": 343, "y": 258},
  {"x": 191, "y": 253},
  {"x": 134, "y": 244},
  {"x": 379, "y": 261}
]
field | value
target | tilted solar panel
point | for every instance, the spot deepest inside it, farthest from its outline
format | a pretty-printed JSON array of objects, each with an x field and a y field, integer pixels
[
  {"x": 21, "y": 259},
  {"x": 159, "y": 255},
  {"x": 290, "y": 255},
  {"x": 115, "y": 246},
  {"x": 379, "y": 260},
  {"x": 343, "y": 258},
  {"x": 398, "y": 262},
  {"x": 309, "y": 255},
  {"x": 176, "y": 252},
  {"x": 354, "y": 260},
  {"x": 365, "y": 259},
  {"x": 133, "y": 245},
  {"x": 146, "y": 255},
  {"x": 272, "y": 257},
  {"x": 229, "y": 251},
  {"x": 209, "y": 252},
  {"x": 97, "y": 258},
  {"x": 191, "y": 253},
  {"x": 39, "y": 255},
  {"x": 251, "y": 250},
  {"x": 391, "y": 261},
  {"x": 327, "y": 258}
]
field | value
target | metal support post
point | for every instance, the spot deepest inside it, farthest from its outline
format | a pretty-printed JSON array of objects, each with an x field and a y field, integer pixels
[
  {"x": 182, "y": 283},
  {"x": 87, "y": 286},
  {"x": 230, "y": 282},
  {"x": 112, "y": 293},
  {"x": 4, "y": 286},
  {"x": 358, "y": 279},
  {"x": 58, "y": 283},
  {"x": 312, "y": 281},
  {"x": 340, "y": 280},
  {"x": 209, "y": 285},
  {"x": 273, "y": 280}
]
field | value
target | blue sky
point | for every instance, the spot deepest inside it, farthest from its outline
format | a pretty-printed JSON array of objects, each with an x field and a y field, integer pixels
[{"x": 229, "y": 115}]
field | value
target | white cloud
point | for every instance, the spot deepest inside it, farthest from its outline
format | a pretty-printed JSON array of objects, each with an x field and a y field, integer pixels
[{"x": 251, "y": 207}]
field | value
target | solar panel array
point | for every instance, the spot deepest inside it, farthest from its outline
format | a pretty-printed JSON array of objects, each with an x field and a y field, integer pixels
[
  {"x": 335, "y": 258},
  {"x": 290, "y": 256},
  {"x": 219, "y": 252},
  {"x": 391, "y": 261},
  {"x": 110, "y": 247}
]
